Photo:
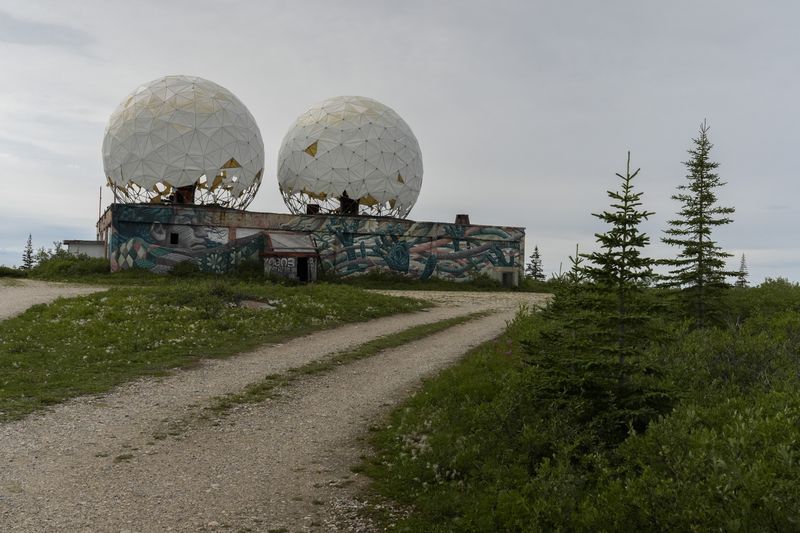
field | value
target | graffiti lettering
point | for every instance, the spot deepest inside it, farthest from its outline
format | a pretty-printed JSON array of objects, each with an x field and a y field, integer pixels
[{"x": 286, "y": 266}]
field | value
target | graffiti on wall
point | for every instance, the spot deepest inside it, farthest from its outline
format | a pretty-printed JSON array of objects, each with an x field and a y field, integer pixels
[
  {"x": 159, "y": 238},
  {"x": 349, "y": 246},
  {"x": 284, "y": 266}
]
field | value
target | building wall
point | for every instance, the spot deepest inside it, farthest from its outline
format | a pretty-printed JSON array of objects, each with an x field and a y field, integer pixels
[
  {"x": 88, "y": 248},
  {"x": 217, "y": 240}
]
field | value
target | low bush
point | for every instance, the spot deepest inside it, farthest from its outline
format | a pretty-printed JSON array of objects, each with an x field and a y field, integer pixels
[
  {"x": 9, "y": 272},
  {"x": 752, "y": 356},
  {"x": 69, "y": 266},
  {"x": 727, "y": 465},
  {"x": 509, "y": 442},
  {"x": 772, "y": 296}
]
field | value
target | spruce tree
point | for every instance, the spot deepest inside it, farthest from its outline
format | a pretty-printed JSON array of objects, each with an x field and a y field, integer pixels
[
  {"x": 618, "y": 274},
  {"x": 576, "y": 274},
  {"x": 565, "y": 320},
  {"x": 699, "y": 269},
  {"x": 741, "y": 277},
  {"x": 619, "y": 270},
  {"x": 534, "y": 268},
  {"x": 27, "y": 254},
  {"x": 592, "y": 334}
]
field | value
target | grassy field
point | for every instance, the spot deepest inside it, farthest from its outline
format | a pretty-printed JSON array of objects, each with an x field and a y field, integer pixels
[
  {"x": 490, "y": 445},
  {"x": 89, "y": 344},
  {"x": 483, "y": 283}
]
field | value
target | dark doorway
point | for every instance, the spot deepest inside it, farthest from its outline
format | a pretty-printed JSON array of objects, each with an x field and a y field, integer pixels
[
  {"x": 508, "y": 279},
  {"x": 302, "y": 269}
]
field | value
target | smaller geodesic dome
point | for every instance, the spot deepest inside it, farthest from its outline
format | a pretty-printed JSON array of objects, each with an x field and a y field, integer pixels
[
  {"x": 183, "y": 139},
  {"x": 350, "y": 155}
]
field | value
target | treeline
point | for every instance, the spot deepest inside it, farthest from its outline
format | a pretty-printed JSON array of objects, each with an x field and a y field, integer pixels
[{"x": 634, "y": 401}]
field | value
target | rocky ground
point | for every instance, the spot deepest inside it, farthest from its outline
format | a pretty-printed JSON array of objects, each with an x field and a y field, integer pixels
[{"x": 109, "y": 463}]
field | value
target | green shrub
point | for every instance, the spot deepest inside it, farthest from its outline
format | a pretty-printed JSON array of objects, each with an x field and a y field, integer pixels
[
  {"x": 69, "y": 266},
  {"x": 771, "y": 297},
  {"x": 753, "y": 356},
  {"x": 509, "y": 442},
  {"x": 10, "y": 272},
  {"x": 529, "y": 284},
  {"x": 726, "y": 466}
]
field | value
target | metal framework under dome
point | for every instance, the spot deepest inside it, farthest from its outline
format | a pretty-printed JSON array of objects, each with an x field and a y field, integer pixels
[
  {"x": 350, "y": 155},
  {"x": 186, "y": 140}
]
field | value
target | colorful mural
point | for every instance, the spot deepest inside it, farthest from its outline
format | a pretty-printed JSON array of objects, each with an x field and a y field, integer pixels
[
  {"x": 159, "y": 237},
  {"x": 349, "y": 245}
]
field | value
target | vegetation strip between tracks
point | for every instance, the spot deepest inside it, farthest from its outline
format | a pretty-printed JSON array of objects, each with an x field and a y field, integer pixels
[{"x": 268, "y": 386}]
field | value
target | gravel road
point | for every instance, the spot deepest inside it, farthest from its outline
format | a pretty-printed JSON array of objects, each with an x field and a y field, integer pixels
[
  {"x": 93, "y": 464},
  {"x": 16, "y": 295}
]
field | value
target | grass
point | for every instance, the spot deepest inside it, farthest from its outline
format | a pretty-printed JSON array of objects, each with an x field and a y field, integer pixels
[
  {"x": 266, "y": 388},
  {"x": 90, "y": 344},
  {"x": 394, "y": 281},
  {"x": 501, "y": 442},
  {"x": 424, "y": 450}
]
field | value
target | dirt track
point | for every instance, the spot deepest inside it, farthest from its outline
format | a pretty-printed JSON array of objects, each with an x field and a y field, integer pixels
[
  {"x": 16, "y": 295},
  {"x": 93, "y": 464}
]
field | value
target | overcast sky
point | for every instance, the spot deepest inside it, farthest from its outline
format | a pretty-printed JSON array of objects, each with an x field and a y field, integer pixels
[{"x": 524, "y": 110}]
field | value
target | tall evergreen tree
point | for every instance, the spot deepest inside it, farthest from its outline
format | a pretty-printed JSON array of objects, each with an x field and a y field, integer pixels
[
  {"x": 534, "y": 268},
  {"x": 699, "y": 269},
  {"x": 591, "y": 335},
  {"x": 27, "y": 254},
  {"x": 619, "y": 270},
  {"x": 741, "y": 277}
]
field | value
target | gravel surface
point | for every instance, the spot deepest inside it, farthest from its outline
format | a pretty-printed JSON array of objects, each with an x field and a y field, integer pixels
[
  {"x": 93, "y": 464},
  {"x": 16, "y": 295}
]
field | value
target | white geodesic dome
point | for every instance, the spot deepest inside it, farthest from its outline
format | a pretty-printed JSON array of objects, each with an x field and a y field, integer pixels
[
  {"x": 354, "y": 148},
  {"x": 183, "y": 132}
]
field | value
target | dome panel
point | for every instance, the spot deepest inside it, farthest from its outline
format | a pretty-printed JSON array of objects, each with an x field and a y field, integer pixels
[
  {"x": 359, "y": 145},
  {"x": 183, "y": 131}
]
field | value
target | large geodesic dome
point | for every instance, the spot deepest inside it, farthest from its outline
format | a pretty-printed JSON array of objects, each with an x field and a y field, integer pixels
[
  {"x": 350, "y": 155},
  {"x": 183, "y": 139}
]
